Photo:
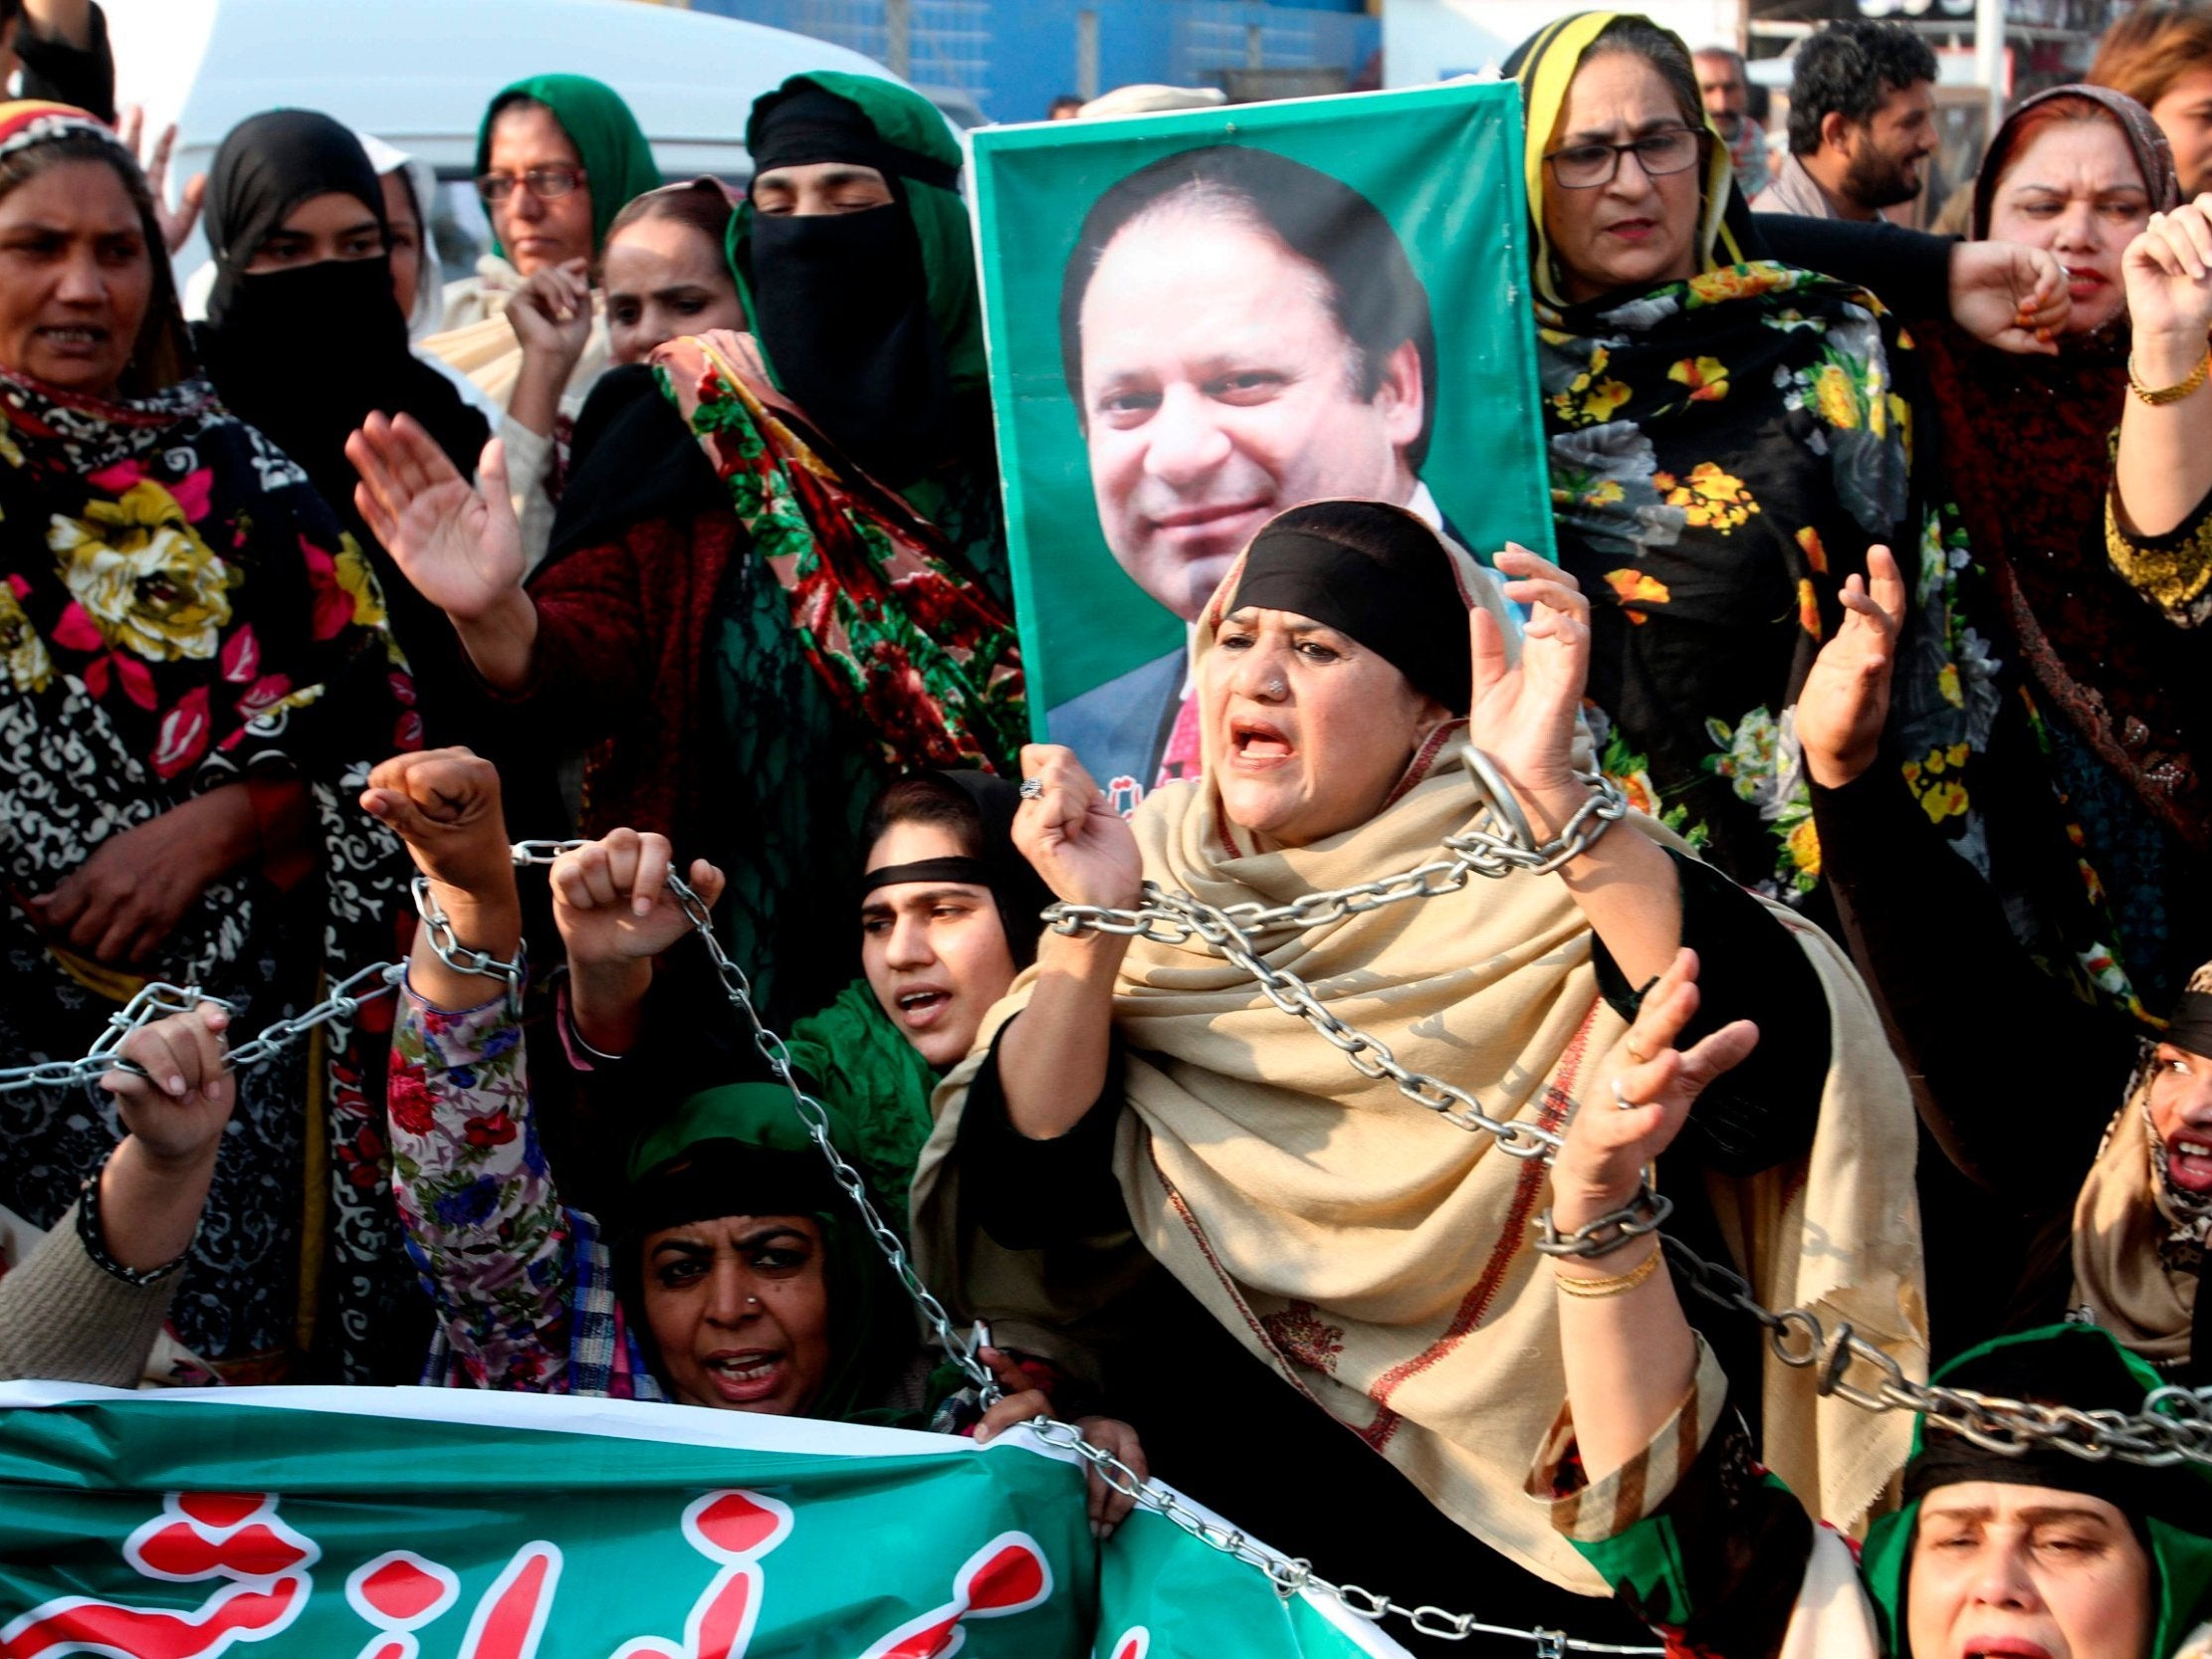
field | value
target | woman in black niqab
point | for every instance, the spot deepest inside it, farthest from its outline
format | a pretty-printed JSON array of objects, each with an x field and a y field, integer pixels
[{"x": 304, "y": 353}]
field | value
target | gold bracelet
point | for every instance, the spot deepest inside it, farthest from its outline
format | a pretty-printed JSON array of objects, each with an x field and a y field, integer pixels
[
  {"x": 2158, "y": 396},
  {"x": 1618, "y": 1285}
]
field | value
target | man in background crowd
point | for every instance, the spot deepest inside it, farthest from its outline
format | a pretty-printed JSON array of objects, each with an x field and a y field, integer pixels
[
  {"x": 1241, "y": 333},
  {"x": 1862, "y": 123},
  {"x": 1727, "y": 93}
]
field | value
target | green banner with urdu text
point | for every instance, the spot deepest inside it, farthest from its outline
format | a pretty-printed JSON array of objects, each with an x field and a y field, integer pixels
[{"x": 429, "y": 1523}]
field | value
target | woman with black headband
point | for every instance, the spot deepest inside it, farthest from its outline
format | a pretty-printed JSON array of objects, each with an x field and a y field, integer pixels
[
  {"x": 1141, "y": 1106},
  {"x": 779, "y": 578},
  {"x": 949, "y": 911},
  {"x": 304, "y": 337},
  {"x": 2035, "y": 1553}
]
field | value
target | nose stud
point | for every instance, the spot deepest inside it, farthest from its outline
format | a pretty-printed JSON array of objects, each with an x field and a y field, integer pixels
[
  {"x": 752, "y": 1300},
  {"x": 1278, "y": 688}
]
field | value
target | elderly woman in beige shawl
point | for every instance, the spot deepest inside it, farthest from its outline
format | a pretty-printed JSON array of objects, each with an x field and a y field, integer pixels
[{"x": 1150, "y": 1162}]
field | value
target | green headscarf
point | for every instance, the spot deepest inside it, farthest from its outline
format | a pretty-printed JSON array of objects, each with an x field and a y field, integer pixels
[
  {"x": 910, "y": 127},
  {"x": 2079, "y": 1365},
  {"x": 878, "y": 1084},
  {"x": 617, "y": 161},
  {"x": 740, "y": 1149}
]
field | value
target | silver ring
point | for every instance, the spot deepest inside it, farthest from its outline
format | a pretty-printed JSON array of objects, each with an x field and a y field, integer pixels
[
  {"x": 1032, "y": 788},
  {"x": 1620, "y": 1098}
]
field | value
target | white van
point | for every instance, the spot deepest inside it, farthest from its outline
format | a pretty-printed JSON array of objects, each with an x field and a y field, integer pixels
[{"x": 418, "y": 73}]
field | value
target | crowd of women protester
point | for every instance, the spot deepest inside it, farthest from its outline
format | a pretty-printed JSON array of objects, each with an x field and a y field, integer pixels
[{"x": 1847, "y": 761}]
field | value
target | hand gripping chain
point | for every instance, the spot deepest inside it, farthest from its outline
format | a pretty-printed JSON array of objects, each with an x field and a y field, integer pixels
[{"x": 2174, "y": 1425}]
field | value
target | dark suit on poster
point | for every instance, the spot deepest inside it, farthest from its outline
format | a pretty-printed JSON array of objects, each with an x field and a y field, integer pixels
[{"x": 1120, "y": 729}]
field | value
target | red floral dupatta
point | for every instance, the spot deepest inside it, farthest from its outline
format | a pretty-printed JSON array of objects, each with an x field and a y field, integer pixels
[{"x": 908, "y": 641}]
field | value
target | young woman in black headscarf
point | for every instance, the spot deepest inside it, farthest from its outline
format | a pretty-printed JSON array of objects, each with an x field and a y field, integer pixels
[{"x": 303, "y": 338}]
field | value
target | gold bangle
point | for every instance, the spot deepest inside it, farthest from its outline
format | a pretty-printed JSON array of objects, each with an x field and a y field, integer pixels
[
  {"x": 2158, "y": 396},
  {"x": 1618, "y": 1285}
]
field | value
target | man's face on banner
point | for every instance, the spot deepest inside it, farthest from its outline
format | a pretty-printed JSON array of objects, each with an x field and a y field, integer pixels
[{"x": 1218, "y": 389}]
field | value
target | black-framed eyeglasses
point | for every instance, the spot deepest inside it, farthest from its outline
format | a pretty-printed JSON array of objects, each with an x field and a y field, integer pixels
[
  {"x": 546, "y": 182},
  {"x": 1671, "y": 149}
]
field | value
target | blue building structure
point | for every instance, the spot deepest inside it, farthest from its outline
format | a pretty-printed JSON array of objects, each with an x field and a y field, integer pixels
[{"x": 1011, "y": 57}]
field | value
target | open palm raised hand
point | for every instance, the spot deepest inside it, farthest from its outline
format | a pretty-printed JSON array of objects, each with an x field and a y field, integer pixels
[{"x": 460, "y": 546}]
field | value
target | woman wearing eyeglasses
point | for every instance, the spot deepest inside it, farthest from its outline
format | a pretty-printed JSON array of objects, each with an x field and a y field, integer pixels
[
  {"x": 1726, "y": 441},
  {"x": 556, "y": 160}
]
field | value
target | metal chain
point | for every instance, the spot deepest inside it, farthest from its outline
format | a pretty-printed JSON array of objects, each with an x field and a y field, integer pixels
[
  {"x": 160, "y": 1001},
  {"x": 157, "y": 1001},
  {"x": 1292, "y": 1574},
  {"x": 1489, "y": 847},
  {"x": 445, "y": 945},
  {"x": 2174, "y": 1425},
  {"x": 739, "y": 990}
]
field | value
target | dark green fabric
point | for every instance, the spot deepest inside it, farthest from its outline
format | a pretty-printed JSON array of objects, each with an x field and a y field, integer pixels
[
  {"x": 795, "y": 855},
  {"x": 872, "y": 1333},
  {"x": 750, "y": 1114},
  {"x": 877, "y": 1083},
  {"x": 617, "y": 161},
  {"x": 909, "y": 122}
]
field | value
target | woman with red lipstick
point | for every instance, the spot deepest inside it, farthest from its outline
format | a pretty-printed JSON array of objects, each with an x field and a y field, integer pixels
[
  {"x": 1149, "y": 1156},
  {"x": 1647, "y": 1470}
]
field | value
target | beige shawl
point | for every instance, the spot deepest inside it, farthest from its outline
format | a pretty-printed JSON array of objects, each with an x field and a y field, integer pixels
[
  {"x": 2135, "y": 1269},
  {"x": 478, "y": 341},
  {"x": 1378, "y": 1258}
]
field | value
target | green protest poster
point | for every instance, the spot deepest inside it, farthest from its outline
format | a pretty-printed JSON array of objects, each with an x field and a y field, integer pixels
[
  {"x": 1200, "y": 319},
  {"x": 437, "y": 1523}
]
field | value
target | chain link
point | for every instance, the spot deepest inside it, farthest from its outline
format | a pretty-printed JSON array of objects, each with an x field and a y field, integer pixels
[
  {"x": 2175, "y": 1423},
  {"x": 738, "y": 989},
  {"x": 1289, "y": 1575},
  {"x": 449, "y": 949},
  {"x": 160, "y": 1001}
]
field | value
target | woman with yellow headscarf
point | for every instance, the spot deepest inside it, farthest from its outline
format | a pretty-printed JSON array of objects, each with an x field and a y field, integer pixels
[{"x": 1728, "y": 437}]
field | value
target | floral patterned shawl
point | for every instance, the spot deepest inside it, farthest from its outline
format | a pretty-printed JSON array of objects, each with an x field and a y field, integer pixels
[
  {"x": 1723, "y": 451},
  {"x": 179, "y": 612},
  {"x": 856, "y": 635},
  {"x": 909, "y": 642}
]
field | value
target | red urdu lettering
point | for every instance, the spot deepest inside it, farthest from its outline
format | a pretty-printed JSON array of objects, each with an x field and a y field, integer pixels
[{"x": 237, "y": 1613}]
